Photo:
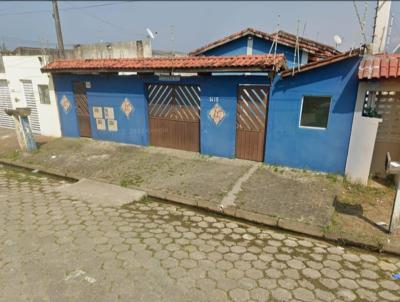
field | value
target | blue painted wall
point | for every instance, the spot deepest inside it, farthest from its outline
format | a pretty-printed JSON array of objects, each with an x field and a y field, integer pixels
[
  {"x": 107, "y": 91},
  {"x": 220, "y": 139},
  {"x": 110, "y": 91},
  {"x": 260, "y": 46},
  {"x": 323, "y": 150}
]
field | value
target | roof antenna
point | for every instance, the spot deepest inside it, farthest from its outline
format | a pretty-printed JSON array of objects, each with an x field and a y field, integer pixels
[
  {"x": 296, "y": 50},
  {"x": 304, "y": 28},
  {"x": 389, "y": 35},
  {"x": 275, "y": 40},
  {"x": 361, "y": 22},
  {"x": 172, "y": 32}
]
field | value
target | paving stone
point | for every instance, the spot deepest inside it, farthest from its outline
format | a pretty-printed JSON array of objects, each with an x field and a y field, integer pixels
[
  {"x": 303, "y": 294},
  {"x": 346, "y": 295},
  {"x": 366, "y": 295},
  {"x": 368, "y": 284},
  {"x": 388, "y": 296},
  {"x": 311, "y": 273},
  {"x": 324, "y": 295},
  {"x": 259, "y": 294},
  {"x": 348, "y": 283},
  {"x": 386, "y": 266},
  {"x": 281, "y": 294},
  {"x": 155, "y": 251},
  {"x": 390, "y": 285}
]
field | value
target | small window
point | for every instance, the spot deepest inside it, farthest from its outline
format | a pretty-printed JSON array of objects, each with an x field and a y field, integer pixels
[
  {"x": 315, "y": 111},
  {"x": 44, "y": 94}
]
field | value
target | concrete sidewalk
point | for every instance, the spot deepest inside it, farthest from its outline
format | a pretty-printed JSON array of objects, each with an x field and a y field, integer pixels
[{"x": 291, "y": 199}]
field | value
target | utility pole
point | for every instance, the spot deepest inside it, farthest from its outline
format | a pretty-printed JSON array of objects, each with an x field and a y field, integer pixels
[
  {"x": 56, "y": 16},
  {"x": 381, "y": 24}
]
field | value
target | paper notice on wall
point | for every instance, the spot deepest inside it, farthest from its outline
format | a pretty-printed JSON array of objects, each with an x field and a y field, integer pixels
[
  {"x": 101, "y": 124},
  {"x": 109, "y": 113},
  {"x": 112, "y": 125},
  {"x": 97, "y": 112}
]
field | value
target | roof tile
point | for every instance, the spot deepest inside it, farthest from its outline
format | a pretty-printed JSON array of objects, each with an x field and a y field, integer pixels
[
  {"x": 318, "y": 50},
  {"x": 262, "y": 62},
  {"x": 330, "y": 60},
  {"x": 380, "y": 66}
]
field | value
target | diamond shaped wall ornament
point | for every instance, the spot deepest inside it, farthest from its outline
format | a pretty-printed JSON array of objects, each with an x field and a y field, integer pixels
[
  {"x": 127, "y": 107},
  {"x": 65, "y": 104},
  {"x": 217, "y": 114}
]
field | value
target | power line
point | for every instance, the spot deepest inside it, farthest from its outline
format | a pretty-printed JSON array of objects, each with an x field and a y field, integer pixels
[
  {"x": 109, "y": 23},
  {"x": 63, "y": 9}
]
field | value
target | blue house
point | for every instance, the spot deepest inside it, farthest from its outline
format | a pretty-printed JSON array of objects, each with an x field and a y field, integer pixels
[
  {"x": 252, "y": 42},
  {"x": 221, "y": 100}
]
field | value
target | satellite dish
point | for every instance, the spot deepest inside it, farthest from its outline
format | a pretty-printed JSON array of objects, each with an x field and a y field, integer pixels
[
  {"x": 150, "y": 33},
  {"x": 337, "y": 39}
]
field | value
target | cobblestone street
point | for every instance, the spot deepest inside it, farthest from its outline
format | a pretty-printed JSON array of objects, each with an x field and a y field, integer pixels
[{"x": 55, "y": 248}]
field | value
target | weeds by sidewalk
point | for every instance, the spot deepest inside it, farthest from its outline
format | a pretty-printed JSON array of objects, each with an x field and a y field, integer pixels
[{"x": 323, "y": 200}]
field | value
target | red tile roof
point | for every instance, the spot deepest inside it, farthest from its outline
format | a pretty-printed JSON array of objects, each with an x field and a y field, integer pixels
[
  {"x": 232, "y": 63},
  {"x": 330, "y": 60},
  {"x": 380, "y": 66},
  {"x": 316, "y": 49}
]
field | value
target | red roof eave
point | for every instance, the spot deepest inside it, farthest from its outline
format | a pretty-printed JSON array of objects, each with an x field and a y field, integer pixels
[
  {"x": 228, "y": 63},
  {"x": 284, "y": 38},
  {"x": 380, "y": 66},
  {"x": 318, "y": 64}
]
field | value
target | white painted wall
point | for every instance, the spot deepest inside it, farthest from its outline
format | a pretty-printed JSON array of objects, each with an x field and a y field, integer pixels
[
  {"x": 362, "y": 141},
  {"x": 19, "y": 68}
]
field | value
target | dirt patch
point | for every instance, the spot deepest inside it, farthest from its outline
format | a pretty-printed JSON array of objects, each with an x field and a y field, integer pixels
[
  {"x": 195, "y": 176},
  {"x": 289, "y": 193},
  {"x": 364, "y": 212},
  {"x": 9, "y": 144}
]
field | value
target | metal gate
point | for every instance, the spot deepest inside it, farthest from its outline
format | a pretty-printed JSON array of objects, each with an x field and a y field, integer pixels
[
  {"x": 174, "y": 116},
  {"x": 31, "y": 103},
  {"x": 252, "y": 108},
  {"x": 5, "y": 103},
  {"x": 82, "y": 109}
]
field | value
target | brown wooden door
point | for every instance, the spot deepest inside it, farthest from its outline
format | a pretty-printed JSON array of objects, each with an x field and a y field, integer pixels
[
  {"x": 174, "y": 116},
  {"x": 82, "y": 109},
  {"x": 252, "y": 109}
]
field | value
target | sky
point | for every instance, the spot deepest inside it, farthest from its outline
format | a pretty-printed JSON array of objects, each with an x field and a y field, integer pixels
[{"x": 185, "y": 25}]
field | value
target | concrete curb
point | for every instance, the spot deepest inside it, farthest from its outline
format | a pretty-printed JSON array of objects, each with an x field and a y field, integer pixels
[
  {"x": 49, "y": 172},
  {"x": 237, "y": 213}
]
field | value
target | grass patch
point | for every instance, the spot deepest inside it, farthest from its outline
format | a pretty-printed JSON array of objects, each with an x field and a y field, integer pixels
[{"x": 131, "y": 181}]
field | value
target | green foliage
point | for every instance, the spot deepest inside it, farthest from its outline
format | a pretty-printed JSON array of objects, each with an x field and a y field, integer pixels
[{"x": 370, "y": 112}]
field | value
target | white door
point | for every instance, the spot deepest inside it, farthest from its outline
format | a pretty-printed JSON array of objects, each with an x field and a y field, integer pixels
[
  {"x": 31, "y": 103},
  {"x": 5, "y": 103}
]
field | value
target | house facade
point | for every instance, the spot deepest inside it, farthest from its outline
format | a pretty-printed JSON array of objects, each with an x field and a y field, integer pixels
[
  {"x": 219, "y": 101},
  {"x": 376, "y": 128},
  {"x": 22, "y": 84}
]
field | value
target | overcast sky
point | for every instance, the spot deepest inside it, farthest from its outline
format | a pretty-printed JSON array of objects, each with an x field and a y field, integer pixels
[{"x": 183, "y": 25}]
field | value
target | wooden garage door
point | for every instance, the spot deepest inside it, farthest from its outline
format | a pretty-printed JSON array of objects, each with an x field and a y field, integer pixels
[
  {"x": 252, "y": 108},
  {"x": 5, "y": 103},
  {"x": 82, "y": 109},
  {"x": 174, "y": 116}
]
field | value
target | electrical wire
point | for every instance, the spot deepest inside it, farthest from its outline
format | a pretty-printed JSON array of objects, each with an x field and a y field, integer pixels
[{"x": 63, "y": 9}]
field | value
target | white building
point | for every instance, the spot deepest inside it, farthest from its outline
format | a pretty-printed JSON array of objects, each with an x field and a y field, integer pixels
[{"x": 22, "y": 84}]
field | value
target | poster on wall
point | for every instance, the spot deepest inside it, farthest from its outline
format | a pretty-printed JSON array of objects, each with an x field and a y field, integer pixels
[
  {"x": 109, "y": 113},
  {"x": 97, "y": 112},
  {"x": 101, "y": 124},
  {"x": 112, "y": 125}
]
